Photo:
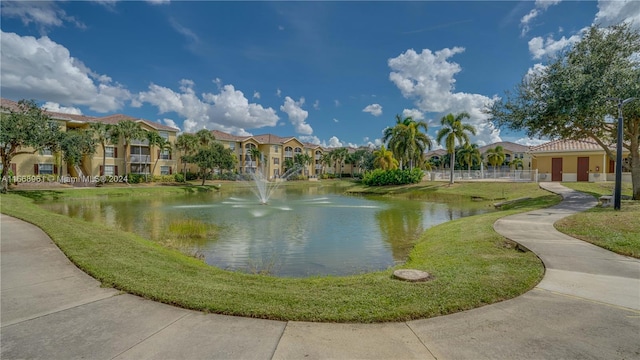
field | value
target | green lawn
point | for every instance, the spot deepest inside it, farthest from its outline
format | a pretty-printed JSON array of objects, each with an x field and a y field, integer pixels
[
  {"x": 472, "y": 265},
  {"x": 618, "y": 231}
]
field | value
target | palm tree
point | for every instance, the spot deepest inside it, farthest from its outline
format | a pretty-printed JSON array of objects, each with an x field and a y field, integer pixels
[
  {"x": 186, "y": 144},
  {"x": 517, "y": 163},
  {"x": 302, "y": 160},
  {"x": 453, "y": 129},
  {"x": 326, "y": 160},
  {"x": 339, "y": 155},
  {"x": 384, "y": 159},
  {"x": 163, "y": 144},
  {"x": 128, "y": 130},
  {"x": 406, "y": 140},
  {"x": 205, "y": 138},
  {"x": 103, "y": 134},
  {"x": 469, "y": 153},
  {"x": 495, "y": 157},
  {"x": 256, "y": 154}
]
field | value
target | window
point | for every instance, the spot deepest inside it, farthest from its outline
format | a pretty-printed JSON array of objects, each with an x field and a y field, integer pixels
[
  {"x": 165, "y": 155},
  {"x": 45, "y": 169},
  {"x": 46, "y": 152},
  {"x": 109, "y": 152},
  {"x": 164, "y": 135},
  {"x": 165, "y": 170},
  {"x": 275, "y": 148},
  {"x": 276, "y": 161},
  {"x": 232, "y": 146},
  {"x": 109, "y": 170}
]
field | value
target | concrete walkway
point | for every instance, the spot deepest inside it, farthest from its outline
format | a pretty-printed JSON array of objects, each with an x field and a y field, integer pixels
[{"x": 586, "y": 307}]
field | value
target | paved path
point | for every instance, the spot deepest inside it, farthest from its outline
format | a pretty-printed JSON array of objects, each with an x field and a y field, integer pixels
[{"x": 586, "y": 307}]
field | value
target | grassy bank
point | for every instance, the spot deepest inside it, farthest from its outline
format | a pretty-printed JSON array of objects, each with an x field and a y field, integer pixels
[
  {"x": 471, "y": 264},
  {"x": 618, "y": 231}
]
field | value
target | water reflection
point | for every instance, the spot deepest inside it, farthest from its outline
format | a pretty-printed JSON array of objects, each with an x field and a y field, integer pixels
[{"x": 302, "y": 232}]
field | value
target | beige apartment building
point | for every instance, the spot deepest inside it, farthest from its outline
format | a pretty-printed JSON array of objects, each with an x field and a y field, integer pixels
[{"x": 140, "y": 160}]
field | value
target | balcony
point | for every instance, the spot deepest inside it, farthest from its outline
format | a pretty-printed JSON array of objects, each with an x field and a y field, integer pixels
[
  {"x": 137, "y": 142},
  {"x": 140, "y": 159},
  {"x": 288, "y": 154}
]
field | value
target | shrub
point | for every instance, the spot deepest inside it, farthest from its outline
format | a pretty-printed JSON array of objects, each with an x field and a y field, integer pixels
[
  {"x": 188, "y": 228},
  {"x": 178, "y": 177},
  {"x": 135, "y": 178},
  {"x": 379, "y": 177},
  {"x": 191, "y": 176}
]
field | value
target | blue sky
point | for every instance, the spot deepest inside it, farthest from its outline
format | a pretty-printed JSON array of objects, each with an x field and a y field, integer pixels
[{"x": 331, "y": 73}]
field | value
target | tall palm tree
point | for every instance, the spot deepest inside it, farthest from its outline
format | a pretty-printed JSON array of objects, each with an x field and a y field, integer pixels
[
  {"x": 339, "y": 155},
  {"x": 384, "y": 159},
  {"x": 128, "y": 131},
  {"x": 256, "y": 154},
  {"x": 326, "y": 160},
  {"x": 186, "y": 144},
  {"x": 205, "y": 138},
  {"x": 469, "y": 153},
  {"x": 161, "y": 143},
  {"x": 406, "y": 140},
  {"x": 453, "y": 129},
  {"x": 517, "y": 163},
  {"x": 495, "y": 157},
  {"x": 302, "y": 160},
  {"x": 103, "y": 134}
]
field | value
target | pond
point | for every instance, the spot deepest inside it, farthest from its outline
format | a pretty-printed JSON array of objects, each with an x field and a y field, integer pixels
[{"x": 303, "y": 231}]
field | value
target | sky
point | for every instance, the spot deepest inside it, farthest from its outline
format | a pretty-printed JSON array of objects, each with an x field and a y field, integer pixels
[{"x": 328, "y": 73}]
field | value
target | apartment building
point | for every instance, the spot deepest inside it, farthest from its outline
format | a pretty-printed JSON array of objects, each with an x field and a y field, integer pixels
[{"x": 141, "y": 159}]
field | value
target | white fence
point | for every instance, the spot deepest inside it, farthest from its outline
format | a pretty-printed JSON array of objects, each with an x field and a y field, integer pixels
[{"x": 486, "y": 175}]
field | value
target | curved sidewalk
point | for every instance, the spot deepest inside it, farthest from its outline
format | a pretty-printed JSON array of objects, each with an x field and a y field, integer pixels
[{"x": 586, "y": 307}]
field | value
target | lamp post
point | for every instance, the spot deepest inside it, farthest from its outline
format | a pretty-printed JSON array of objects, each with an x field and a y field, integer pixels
[{"x": 618, "y": 185}]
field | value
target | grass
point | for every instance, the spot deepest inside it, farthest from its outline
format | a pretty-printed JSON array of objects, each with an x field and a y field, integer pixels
[
  {"x": 618, "y": 231},
  {"x": 472, "y": 266},
  {"x": 188, "y": 228}
]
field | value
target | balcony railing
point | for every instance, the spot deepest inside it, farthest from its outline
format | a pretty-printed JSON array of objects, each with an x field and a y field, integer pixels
[
  {"x": 140, "y": 159},
  {"x": 288, "y": 154},
  {"x": 144, "y": 142}
]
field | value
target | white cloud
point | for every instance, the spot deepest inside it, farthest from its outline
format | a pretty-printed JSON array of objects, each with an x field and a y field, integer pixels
[
  {"x": 256, "y": 95},
  {"x": 55, "y": 107},
  {"x": 316, "y": 105},
  {"x": 539, "y": 47},
  {"x": 280, "y": 27},
  {"x": 43, "y": 14},
  {"x": 336, "y": 102},
  {"x": 158, "y": 2},
  {"x": 415, "y": 114},
  {"x": 428, "y": 78},
  {"x": 335, "y": 120},
  {"x": 297, "y": 115},
  {"x": 535, "y": 70},
  {"x": 527, "y": 141},
  {"x": 278, "y": 93},
  {"x": 373, "y": 109},
  {"x": 309, "y": 139},
  {"x": 43, "y": 69},
  {"x": 615, "y": 12},
  {"x": 229, "y": 110},
  {"x": 540, "y": 7},
  {"x": 170, "y": 122}
]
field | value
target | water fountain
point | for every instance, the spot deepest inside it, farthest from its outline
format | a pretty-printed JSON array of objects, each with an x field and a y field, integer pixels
[{"x": 263, "y": 188}]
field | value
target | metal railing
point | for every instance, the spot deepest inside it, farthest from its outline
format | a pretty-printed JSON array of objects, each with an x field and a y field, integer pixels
[
  {"x": 140, "y": 159},
  {"x": 487, "y": 175}
]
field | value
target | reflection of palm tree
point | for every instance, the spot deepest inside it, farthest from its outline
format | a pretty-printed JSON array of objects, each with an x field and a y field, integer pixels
[
  {"x": 453, "y": 129},
  {"x": 401, "y": 226},
  {"x": 384, "y": 159}
]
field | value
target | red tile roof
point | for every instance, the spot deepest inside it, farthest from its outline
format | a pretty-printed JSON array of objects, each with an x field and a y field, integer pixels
[
  {"x": 563, "y": 145},
  {"x": 111, "y": 119}
]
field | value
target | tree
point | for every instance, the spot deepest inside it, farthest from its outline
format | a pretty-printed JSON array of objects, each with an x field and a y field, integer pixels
[
  {"x": 211, "y": 157},
  {"x": 384, "y": 159},
  {"x": 326, "y": 160},
  {"x": 406, "y": 140},
  {"x": 128, "y": 131},
  {"x": 469, "y": 154},
  {"x": 517, "y": 163},
  {"x": 453, "y": 129},
  {"x": 495, "y": 157},
  {"x": 357, "y": 160},
  {"x": 205, "y": 138},
  {"x": 302, "y": 160},
  {"x": 103, "y": 133},
  {"x": 24, "y": 130},
  {"x": 569, "y": 96},
  {"x": 338, "y": 156},
  {"x": 75, "y": 144},
  {"x": 186, "y": 144},
  {"x": 256, "y": 154},
  {"x": 161, "y": 143}
]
